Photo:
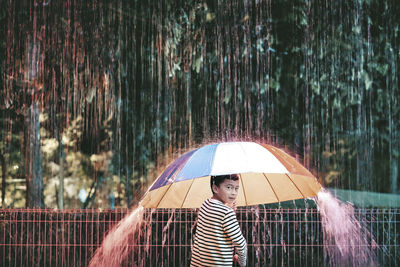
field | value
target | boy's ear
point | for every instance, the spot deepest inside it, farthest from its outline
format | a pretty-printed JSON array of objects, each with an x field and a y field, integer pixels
[{"x": 215, "y": 188}]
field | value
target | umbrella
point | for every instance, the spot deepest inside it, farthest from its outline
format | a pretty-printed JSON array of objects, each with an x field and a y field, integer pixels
[{"x": 267, "y": 175}]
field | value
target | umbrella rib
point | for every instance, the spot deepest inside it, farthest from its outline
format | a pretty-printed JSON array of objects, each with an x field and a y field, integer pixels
[
  {"x": 244, "y": 192},
  {"x": 273, "y": 190},
  {"x": 187, "y": 192},
  {"x": 290, "y": 178}
]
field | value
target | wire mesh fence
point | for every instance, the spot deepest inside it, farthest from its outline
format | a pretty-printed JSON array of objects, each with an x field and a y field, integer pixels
[{"x": 276, "y": 237}]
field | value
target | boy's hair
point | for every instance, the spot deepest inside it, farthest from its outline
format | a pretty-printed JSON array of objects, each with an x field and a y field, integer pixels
[{"x": 219, "y": 179}]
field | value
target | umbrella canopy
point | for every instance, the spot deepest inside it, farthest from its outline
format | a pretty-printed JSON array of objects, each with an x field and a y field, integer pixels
[{"x": 267, "y": 175}]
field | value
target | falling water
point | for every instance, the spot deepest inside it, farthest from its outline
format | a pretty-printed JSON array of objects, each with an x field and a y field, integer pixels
[
  {"x": 118, "y": 243},
  {"x": 347, "y": 242}
]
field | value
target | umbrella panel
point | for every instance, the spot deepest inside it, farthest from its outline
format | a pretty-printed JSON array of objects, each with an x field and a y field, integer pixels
[
  {"x": 291, "y": 164},
  {"x": 198, "y": 192},
  {"x": 309, "y": 186},
  {"x": 257, "y": 189}
]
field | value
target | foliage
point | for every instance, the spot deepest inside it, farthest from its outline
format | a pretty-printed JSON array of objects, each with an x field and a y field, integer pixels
[{"x": 128, "y": 85}]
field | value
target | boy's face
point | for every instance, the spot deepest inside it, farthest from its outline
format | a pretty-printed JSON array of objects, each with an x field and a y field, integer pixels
[{"x": 227, "y": 191}]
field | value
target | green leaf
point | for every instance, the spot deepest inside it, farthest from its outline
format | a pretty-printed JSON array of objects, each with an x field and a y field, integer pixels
[
  {"x": 210, "y": 16},
  {"x": 197, "y": 64},
  {"x": 382, "y": 69},
  {"x": 228, "y": 95},
  {"x": 356, "y": 29},
  {"x": 316, "y": 87},
  {"x": 367, "y": 81},
  {"x": 275, "y": 85}
]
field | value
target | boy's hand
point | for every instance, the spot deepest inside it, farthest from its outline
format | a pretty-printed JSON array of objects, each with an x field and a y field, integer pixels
[
  {"x": 236, "y": 259},
  {"x": 232, "y": 205}
]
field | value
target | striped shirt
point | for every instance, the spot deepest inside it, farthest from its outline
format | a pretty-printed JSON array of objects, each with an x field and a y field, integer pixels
[{"x": 217, "y": 233}]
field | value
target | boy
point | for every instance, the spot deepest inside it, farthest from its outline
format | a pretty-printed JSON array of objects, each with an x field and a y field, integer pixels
[{"x": 217, "y": 230}]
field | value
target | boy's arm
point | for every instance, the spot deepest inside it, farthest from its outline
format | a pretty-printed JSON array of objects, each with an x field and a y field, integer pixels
[{"x": 232, "y": 229}]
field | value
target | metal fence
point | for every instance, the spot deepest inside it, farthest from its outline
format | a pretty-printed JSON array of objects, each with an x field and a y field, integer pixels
[{"x": 276, "y": 237}]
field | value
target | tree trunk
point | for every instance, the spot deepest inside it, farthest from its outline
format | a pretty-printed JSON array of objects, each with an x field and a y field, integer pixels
[
  {"x": 4, "y": 177},
  {"x": 61, "y": 189},
  {"x": 394, "y": 173},
  {"x": 34, "y": 178}
]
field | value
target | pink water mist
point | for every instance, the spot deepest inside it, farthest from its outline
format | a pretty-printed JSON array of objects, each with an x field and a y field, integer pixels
[
  {"x": 347, "y": 242},
  {"x": 117, "y": 244}
]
